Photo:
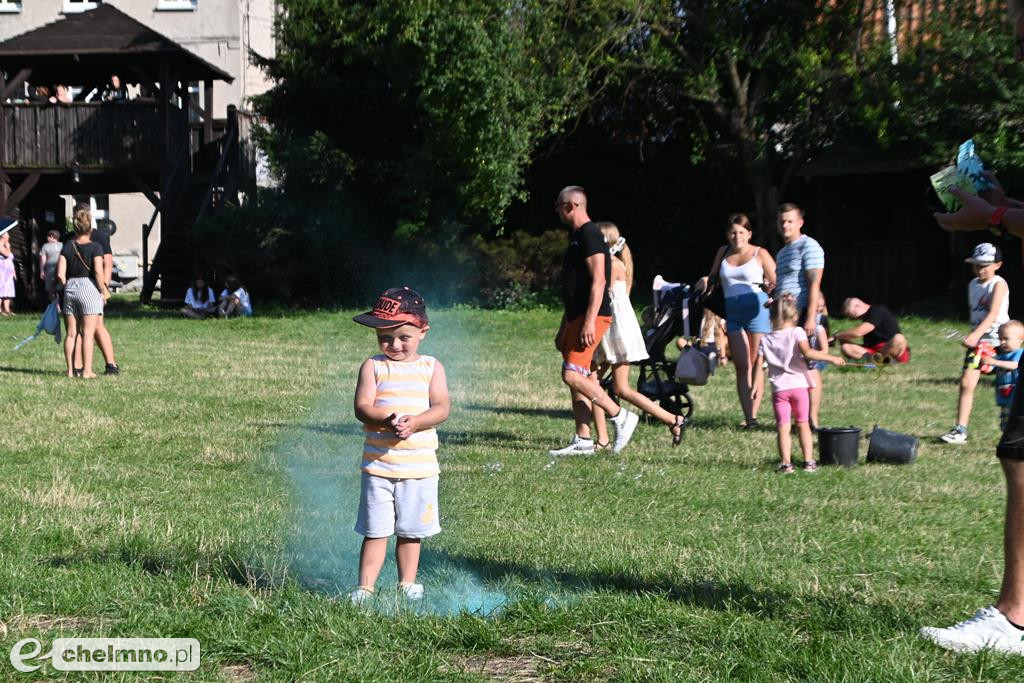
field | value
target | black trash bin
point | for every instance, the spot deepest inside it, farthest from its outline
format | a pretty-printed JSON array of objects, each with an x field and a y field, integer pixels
[
  {"x": 891, "y": 448},
  {"x": 839, "y": 445}
]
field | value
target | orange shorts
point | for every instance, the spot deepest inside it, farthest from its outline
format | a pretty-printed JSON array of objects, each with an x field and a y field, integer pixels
[{"x": 575, "y": 355}]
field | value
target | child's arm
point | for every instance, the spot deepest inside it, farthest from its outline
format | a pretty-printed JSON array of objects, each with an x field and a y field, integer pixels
[
  {"x": 435, "y": 414},
  {"x": 999, "y": 292},
  {"x": 822, "y": 337},
  {"x": 1004, "y": 364},
  {"x": 366, "y": 393},
  {"x": 854, "y": 333},
  {"x": 812, "y": 354}
]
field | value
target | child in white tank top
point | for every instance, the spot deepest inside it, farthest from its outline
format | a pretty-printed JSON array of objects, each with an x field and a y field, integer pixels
[{"x": 988, "y": 297}]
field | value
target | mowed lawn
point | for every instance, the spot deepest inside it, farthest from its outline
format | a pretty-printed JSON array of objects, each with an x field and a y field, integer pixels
[{"x": 208, "y": 492}]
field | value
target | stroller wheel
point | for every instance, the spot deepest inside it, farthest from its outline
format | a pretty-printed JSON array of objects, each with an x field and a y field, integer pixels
[{"x": 678, "y": 404}]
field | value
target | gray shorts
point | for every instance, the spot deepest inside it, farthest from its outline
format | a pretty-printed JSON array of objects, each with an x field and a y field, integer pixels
[
  {"x": 403, "y": 507},
  {"x": 82, "y": 298}
]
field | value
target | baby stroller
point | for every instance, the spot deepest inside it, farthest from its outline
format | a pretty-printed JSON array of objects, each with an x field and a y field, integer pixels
[{"x": 667, "y": 319}]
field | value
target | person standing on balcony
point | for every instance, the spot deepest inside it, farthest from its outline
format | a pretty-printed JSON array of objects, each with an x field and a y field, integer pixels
[{"x": 115, "y": 90}]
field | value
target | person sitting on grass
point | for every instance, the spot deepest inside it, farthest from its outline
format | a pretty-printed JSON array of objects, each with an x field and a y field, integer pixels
[
  {"x": 400, "y": 397},
  {"x": 234, "y": 299},
  {"x": 1007, "y": 363},
  {"x": 786, "y": 351},
  {"x": 883, "y": 341},
  {"x": 199, "y": 300},
  {"x": 988, "y": 297}
]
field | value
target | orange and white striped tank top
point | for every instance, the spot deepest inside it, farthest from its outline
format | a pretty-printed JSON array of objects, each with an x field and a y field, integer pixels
[{"x": 403, "y": 388}]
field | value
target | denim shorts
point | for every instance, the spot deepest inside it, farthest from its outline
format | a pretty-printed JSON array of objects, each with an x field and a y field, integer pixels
[{"x": 747, "y": 312}]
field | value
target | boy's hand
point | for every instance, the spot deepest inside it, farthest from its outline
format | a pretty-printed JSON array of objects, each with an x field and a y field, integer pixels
[
  {"x": 405, "y": 426},
  {"x": 838, "y": 360}
]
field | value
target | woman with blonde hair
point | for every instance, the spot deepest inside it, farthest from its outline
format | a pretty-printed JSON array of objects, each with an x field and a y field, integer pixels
[
  {"x": 624, "y": 342},
  {"x": 80, "y": 273}
]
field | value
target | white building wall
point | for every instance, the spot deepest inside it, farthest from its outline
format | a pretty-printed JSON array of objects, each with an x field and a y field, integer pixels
[{"x": 220, "y": 31}]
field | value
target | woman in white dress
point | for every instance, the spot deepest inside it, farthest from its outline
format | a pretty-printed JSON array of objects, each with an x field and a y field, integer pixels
[{"x": 623, "y": 343}]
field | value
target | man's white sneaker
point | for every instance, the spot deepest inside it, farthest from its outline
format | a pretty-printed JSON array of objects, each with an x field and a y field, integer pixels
[
  {"x": 955, "y": 435},
  {"x": 987, "y": 629},
  {"x": 578, "y": 446},
  {"x": 360, "y": 596},
  {"x": 625, "y": 424},
  {"x": 413, "y": 591}
]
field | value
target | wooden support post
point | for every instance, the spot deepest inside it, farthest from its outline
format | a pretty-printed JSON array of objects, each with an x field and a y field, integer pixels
[
  {"x": 26, "y": 186},
  {"x": 15, "y": 83},
  {"x": 207, "y": 154},
  {"x": 142, "y": 187}
]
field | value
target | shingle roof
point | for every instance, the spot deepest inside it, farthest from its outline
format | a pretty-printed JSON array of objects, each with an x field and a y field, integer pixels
[{"x": 104, "y": 32}]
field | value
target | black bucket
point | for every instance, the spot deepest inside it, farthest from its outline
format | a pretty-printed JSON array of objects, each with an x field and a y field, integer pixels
[
  {"x": 839, "y": 445},
  {"x": 892, "y": 448}
]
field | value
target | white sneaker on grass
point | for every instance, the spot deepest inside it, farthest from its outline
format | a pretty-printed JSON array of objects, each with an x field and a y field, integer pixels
[
  {"x": 987, "y": 629},
  {"x": 360, "y": 596},
  {"x": 955, "y": 435},
  {"x": 413, "y": 591},
  {"x": 578, "y": 446},
  {"x": 625, "y": 424}
]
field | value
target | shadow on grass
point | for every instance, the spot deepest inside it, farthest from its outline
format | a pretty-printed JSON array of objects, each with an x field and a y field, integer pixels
[
  {"x": 34, "y": 371},
  {"x": 341, "y": 428},
  {"x": 486, "y": 439},
  {"x": 561, "y": 586},
  {"x": 703, "y": 594},
  {"x": 941, "y": 381},
  {"x": 557, "y": 413}
]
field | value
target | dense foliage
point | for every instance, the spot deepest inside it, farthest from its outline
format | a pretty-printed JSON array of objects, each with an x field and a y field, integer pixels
[{"x": 407, "y": 135}]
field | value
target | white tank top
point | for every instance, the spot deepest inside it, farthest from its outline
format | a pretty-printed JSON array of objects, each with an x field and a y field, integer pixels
[
  {"x": 744, "y": 279},
  {"x": 979, "y": 298}
]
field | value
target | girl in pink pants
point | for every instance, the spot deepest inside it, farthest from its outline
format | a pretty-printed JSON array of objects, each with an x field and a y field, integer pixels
[{"x": 786, "y": 351}]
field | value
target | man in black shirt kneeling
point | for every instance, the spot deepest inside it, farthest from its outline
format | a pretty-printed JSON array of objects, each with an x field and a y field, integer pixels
[{"x": 880, "y": 331}]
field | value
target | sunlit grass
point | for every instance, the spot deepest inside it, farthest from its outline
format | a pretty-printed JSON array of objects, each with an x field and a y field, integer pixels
[{"x": 205, "y": 493}]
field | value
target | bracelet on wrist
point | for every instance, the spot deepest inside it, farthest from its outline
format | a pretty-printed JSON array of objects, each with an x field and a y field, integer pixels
[{"x": 995, "y": 221}]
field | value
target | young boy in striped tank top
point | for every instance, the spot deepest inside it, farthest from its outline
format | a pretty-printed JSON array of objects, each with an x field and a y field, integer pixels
[{"x": 400, "y": 397}]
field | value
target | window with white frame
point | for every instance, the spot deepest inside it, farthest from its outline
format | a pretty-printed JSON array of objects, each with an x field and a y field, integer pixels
[
  {"x": 73, "y": 6},
  {"x": 10, "y": 6},
  {"x": 187, "y": 5}
]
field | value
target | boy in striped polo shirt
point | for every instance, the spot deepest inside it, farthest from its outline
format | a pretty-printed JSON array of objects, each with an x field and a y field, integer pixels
[{"x": 400, "y": 397}]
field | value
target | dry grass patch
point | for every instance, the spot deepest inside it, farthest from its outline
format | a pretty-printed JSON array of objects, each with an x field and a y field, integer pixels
[
  {"x": 41, "y": 622},
  {"x": 213, "y": 455},
  {"x": 237, "y": 673},
  {"x": 514, "y": 669},
  {"x": 60, "y": 494}
]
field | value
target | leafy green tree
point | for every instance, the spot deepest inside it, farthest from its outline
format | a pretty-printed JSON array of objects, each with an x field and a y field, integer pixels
[
  {"x": 427, "y": 111},
  {"x": 762, "y": 84}
]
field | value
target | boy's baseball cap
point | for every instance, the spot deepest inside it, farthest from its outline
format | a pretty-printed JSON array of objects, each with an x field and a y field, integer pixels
[
  {"x": 985, "y": 254},
  {"x": 395, "y": 307}
]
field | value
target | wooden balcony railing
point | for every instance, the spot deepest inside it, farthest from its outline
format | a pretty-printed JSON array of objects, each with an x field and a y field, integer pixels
[{"x": 95, "y": 136}]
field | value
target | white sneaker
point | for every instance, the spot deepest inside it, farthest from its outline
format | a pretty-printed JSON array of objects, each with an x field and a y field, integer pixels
[
  {"x": 955, "y": 435},
  {"x": 360, "y": 596},
  {"x": 987, "y": 629},
  {"x": 625, "y": 424},
  {"x": 413, "y": 591},
  {"x": 578, "y": 446}
]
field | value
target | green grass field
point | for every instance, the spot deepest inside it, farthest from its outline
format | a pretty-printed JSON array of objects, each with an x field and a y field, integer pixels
[{"x": 207, "y": 492}]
